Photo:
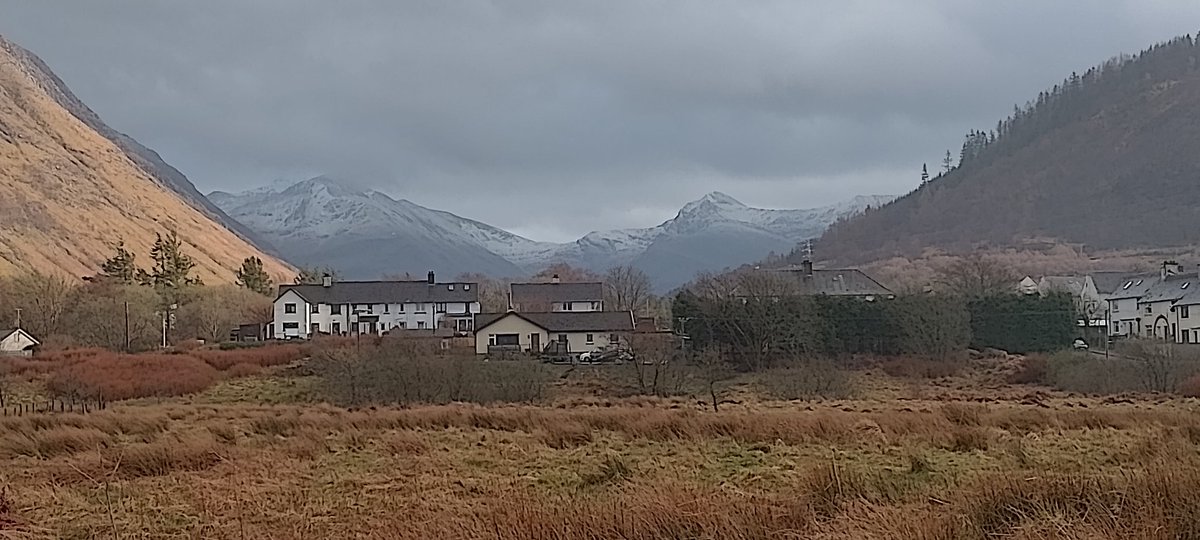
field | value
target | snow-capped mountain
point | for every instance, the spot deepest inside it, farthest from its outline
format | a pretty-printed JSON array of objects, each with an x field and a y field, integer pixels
[{"x": 366, "y": 234}]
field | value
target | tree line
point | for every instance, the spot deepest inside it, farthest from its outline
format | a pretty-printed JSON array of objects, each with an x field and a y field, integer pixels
[{"x": 128, "y": 308}]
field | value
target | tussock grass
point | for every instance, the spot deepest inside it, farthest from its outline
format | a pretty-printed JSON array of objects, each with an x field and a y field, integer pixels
[{"x": 644, "y": 471}]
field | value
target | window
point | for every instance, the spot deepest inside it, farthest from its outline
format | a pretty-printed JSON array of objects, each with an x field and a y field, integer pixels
[
  {"x": 335, "y": 309},
  {"x": 370, "y": 308},
  {"x": 591, "y": 339},
  {"x": 562, "y": 338},
  {"x": 289, "y": 308},
  {"x": 1116, "y": 306},
  {"x": 613, "y": 338},
  {"x": 314, "y": 308},
  {"x": 420, "y": 308},
  {"x": 402, "y": 324},
  {"x": 1183, "y": 312},
  {"x": 401, "y": 307},
  {"x": 595, "y": 306},
  {"x": 506, "y": 339},
  {"x": 291, "y": 326},
  {"x": 337, "y": 328},
  {"x": 1148, "y": 310},
  {"x": 420, "y": 325},
  {"x": 314, "y": 328},
  {"x": 386, "y": 308},
  {"x": 440, "y": 308},
  {"x": 568, "y": 306}
]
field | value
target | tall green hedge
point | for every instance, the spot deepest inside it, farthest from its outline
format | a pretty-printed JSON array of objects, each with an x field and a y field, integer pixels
[{"x": 1023, "y": 323}]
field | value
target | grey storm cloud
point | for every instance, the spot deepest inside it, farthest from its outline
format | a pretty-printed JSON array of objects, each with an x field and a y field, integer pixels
[{"x": 553, "y": 117}]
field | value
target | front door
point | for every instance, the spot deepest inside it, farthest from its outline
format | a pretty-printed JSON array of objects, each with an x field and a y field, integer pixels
[{"x": 535, "y": 343}]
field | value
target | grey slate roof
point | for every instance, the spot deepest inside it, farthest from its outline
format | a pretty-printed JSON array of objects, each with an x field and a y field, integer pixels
[
  {"x": 566, "y": 321},
  {"x": 385, "y": 292},
  {"x": 839, "y": 282},
  {"x": 539, "y": 296},
  {"x": 1171, "y": 289},
  {"x": 1069, "y": 284},
  {"x": 1108, "y": 283},
  {"x": 1133, "y": 286}
]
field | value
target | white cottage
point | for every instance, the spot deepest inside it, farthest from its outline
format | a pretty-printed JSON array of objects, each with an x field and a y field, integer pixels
[
  {"x": 572, "y": 332},
  {"x": 373, "y": 307},
  {"x": 17, "y": 342}
]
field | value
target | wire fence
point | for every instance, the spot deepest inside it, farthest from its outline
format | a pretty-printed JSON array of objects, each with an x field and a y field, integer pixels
[{"x": 54, "y": 406}]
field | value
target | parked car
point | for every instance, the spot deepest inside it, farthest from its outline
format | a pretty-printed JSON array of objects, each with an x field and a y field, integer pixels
[{"x": 1079, "y": 345}]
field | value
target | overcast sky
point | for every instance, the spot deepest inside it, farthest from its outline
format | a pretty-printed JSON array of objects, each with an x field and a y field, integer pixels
[{"x": 552, "y": 118}]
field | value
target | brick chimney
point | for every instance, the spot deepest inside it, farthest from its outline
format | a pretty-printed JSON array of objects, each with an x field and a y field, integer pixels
[
  {"x": 327, "y": 281},
  {"x": 430, "y": 277},
  {"x": 555, "y": 279},
  {"x": 807, "y": 268}
]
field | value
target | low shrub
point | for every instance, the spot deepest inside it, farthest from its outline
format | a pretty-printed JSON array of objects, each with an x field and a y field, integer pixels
[
  {"x": 807, "y": 380},
  {"x": 1034, "y": 370},
  {"x": 916, "y": 367},
  {"x": 115, "y": 377},
  {"x": 273, "y": 355},
  {"x": 1190, "y": 387}
]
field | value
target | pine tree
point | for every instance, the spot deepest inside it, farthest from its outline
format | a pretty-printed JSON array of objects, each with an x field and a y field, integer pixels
[
  {"x": 948, "y": 162},
  {"x": 252, "y": 276},
  {"x": 172, "y": 267},
  {"x": 120, "y": 267},
  {"x": 924, "y": 173},
  {"x": 314, "y": 275}
]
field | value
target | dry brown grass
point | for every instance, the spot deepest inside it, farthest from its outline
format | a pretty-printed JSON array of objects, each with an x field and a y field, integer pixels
[{"x": 639, "y": 469}]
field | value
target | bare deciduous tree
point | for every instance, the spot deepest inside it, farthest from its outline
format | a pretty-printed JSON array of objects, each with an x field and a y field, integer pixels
[
  {"x": 657, "y": 364},
  {"x": 493, "y": 293},
  {"x": 42, "y": 299},
  {"x": 976, "y": 275},
  {"x": 627, "y": 289}
]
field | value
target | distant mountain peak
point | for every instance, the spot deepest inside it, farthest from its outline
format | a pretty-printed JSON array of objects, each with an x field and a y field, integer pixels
[{"x": 318, "y": 217}]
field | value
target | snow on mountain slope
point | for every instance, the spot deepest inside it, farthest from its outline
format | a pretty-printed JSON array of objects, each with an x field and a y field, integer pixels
[{"x": 314, "y": 222}]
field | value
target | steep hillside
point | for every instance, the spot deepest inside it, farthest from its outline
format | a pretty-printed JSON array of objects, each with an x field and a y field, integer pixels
[
  {"x": 366, "y": 234},
  {"x": 68, "y": 193},
  {"x": 1107, "y": 159}
]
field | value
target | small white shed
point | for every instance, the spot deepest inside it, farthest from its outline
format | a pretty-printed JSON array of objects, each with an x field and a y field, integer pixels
[{"x": 17, "y": 342}]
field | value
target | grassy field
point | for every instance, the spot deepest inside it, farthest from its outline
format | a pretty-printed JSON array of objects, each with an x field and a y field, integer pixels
[{"x": 938, "y": 459}]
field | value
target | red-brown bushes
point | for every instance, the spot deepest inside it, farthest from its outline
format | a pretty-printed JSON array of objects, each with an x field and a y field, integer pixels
[
  {"x": 114, "y": 377},
  {"x": 266, "y": 356}
]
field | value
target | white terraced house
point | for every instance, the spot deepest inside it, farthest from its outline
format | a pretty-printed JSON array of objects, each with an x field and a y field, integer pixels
[{"x": 373, "y": 307}]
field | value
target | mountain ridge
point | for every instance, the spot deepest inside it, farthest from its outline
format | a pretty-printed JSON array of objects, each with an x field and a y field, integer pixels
[
  {"x": 69, "y": 193},
  {"x": 310, "y": 219},
  {"x": 1103, "y": 159}
]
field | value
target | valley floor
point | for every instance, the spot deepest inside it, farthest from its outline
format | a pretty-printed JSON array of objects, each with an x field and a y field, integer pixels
[{"x": 935, "y": 463}]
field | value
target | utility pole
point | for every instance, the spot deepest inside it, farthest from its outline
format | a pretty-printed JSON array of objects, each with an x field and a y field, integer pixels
[
  {"x": 18, "y": 317},
  {"x": 126, "y": 327}
]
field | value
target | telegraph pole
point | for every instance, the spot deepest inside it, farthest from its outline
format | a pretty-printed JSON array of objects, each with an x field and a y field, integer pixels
[
  {"x": 127, "y": 327},
  {"x": 18, "y": 317}
]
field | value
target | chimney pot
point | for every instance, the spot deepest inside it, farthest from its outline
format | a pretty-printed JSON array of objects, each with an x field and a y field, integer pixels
[
  {"x": 555, "y": 279},
  {"x": 431, "y": 281}
]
